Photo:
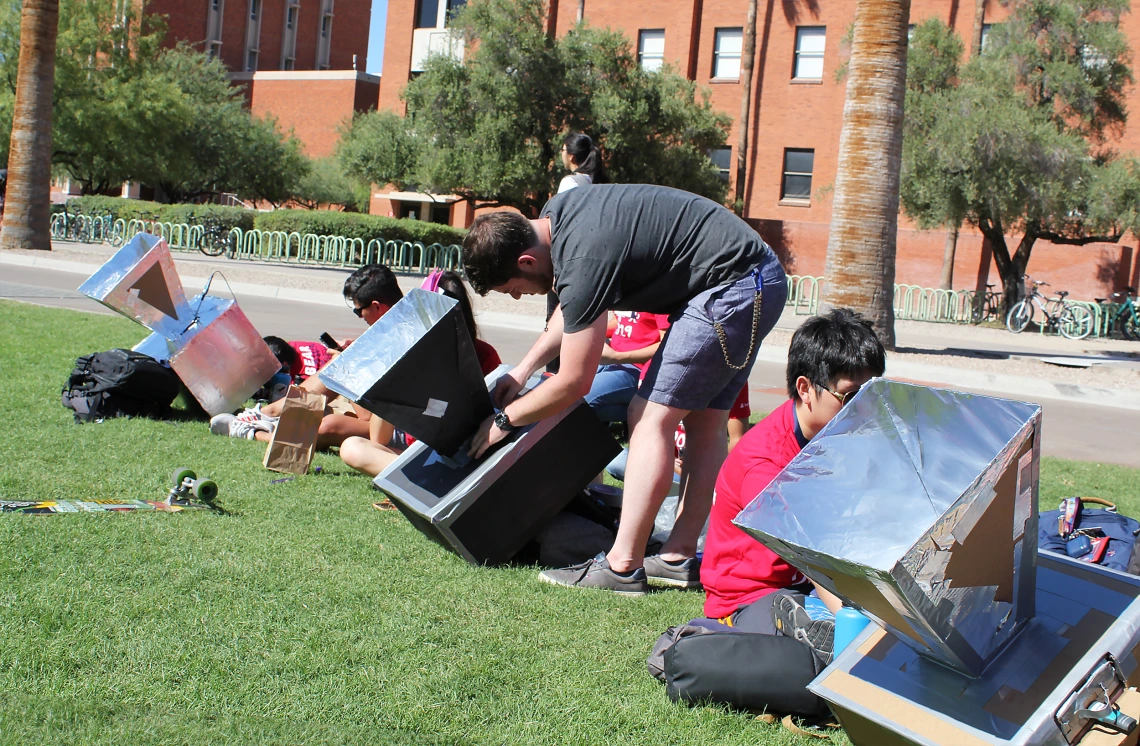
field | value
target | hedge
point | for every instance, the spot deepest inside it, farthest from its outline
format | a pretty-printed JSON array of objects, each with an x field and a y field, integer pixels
[
  {"x": 357, "y": 225},
  {"x": 130, "y": 209}
]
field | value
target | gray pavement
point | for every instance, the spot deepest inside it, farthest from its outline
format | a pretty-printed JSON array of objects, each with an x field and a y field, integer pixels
[{"x": 1072, "y": 429}]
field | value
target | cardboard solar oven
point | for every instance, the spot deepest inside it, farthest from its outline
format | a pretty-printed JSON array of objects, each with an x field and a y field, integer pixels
[
  {"x": 918, "y": 506},
  {"x": 416, "y": 367},
  {"x": 208, "y": 341},
  {"x": 487, "y": 510}
]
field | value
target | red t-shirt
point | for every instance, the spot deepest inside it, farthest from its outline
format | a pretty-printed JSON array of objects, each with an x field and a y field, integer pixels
[
  {"x": 740, "y": 408},
  {"x": 736, "y": 569},
  {"x": 636, "y": 330},
  {"x": 311, "y": 357},
  {"x": 488, "y": 357}
]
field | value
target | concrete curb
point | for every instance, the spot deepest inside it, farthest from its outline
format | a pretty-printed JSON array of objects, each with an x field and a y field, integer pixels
[{"x": 942, "y": 375}]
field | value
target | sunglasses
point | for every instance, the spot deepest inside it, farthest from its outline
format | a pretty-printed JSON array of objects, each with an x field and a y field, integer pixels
[
  {"x": 845, "y": 397},
  {"x": 359, "y": 311}
]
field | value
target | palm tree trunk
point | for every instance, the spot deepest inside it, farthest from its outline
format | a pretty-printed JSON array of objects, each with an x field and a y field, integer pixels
[
  {"x": 979, "y": 21},
  {"x": 947, "y": 280},
  {"x": 747, "y": 58},
  {"x": 860, "y": 268},
  {"x": 581, "y": 10},
  {"x": 27, "y": 208}
]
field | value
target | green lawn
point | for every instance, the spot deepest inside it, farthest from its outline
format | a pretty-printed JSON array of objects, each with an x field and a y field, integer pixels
[{"x": 303, "y": 616}]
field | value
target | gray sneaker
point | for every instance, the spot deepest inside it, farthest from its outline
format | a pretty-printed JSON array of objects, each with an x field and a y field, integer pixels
[
  {"x": 228, "y": 424},
  {"x": 685, "y": 574},
  {"x": 596, "y": 573},
  {"x": 792, "y": 620}
]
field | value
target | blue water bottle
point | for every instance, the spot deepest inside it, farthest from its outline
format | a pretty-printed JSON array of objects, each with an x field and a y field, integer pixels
[{"x": 848, "y": 624}]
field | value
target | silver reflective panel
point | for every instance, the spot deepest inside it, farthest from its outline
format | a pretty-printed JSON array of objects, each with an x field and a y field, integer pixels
[
  {"x": 915, "y": 505},
  {"x": 353, "y": 372},
  {"x": 208, "y": 341},
  {"x": 140, "y": 282}
]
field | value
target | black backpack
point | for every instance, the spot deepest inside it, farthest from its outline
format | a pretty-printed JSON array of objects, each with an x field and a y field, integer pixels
[{"x": 120, "y": 383}]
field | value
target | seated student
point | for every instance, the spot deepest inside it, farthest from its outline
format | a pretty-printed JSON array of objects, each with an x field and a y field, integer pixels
[
  {"x": 299, "y": 361},
  {"x": 372, "y": 290},
  {"x": 373, "y": 454},
  {"x": 830, "y": 358},
  {"x": 636, "y": 336}
]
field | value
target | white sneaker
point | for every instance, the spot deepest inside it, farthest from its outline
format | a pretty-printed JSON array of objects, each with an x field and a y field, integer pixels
[
  {"x": 228, "y": 424},
  {"x": 254, "y": 414}
]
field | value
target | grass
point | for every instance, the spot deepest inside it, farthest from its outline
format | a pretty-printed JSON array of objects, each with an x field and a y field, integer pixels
[{"x": 302, "y": 616}]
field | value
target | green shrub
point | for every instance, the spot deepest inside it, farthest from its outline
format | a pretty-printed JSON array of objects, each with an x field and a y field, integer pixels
[
  {"x": 137, "y": 209},
  {"x": 355, "y": 225}
]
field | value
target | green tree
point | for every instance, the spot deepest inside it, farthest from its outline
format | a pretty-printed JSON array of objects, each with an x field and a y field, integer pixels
[
  {"x": 489, "y": 128},
  {"x": 327, "y": 184},
  {"x": 126, "y": 109},
  {"x": 1020, "y": 145}
]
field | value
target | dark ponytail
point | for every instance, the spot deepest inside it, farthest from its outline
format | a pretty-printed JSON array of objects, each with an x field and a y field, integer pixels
[
  {"x": 451, "y": 285},
  {"x": 583, "y": 151}
]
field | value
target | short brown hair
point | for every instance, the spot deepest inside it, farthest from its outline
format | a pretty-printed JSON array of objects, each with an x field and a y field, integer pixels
[{"x": 492, "y": 247}]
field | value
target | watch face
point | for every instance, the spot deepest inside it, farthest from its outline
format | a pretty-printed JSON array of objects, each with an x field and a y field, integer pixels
[{"x": 503, "y": 422}]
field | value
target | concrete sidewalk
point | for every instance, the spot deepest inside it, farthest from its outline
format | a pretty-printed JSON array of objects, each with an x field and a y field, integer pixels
[{"x": 965, "y": 357}]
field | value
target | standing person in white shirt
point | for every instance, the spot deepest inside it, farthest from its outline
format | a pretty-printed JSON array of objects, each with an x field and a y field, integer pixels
[{"x": 581, "y": 158}]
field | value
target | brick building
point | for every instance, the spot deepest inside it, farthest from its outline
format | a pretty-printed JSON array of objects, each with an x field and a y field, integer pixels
[
  {"x": 795, "y": 122},
  {"x": 300, "y": 61}
]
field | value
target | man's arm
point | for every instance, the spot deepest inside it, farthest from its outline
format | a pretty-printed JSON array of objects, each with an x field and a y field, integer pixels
[
  {"x": 544, "y": 350},
  {"x": 579, "y": 353},
  {"x": 631, "y": 357}
]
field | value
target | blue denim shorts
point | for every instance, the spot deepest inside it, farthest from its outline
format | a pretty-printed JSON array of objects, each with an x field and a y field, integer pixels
[{"x": 689, "y": 370}]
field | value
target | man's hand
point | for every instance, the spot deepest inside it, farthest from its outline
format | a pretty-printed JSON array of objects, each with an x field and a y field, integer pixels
[
  {"x": 610, "y": 356},
  {"x": 508, "y": 387},
  {"x": 486, "y": 436}
]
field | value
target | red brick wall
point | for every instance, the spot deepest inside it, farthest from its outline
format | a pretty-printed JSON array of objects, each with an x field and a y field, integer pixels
[{"x": 313, "y": 109}]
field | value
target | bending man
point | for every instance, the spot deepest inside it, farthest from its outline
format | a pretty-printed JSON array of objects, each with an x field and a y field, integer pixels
[{"x": 636, "y": 248}]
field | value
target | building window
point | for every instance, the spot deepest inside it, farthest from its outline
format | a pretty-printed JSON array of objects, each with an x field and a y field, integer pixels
[
  {"x": 910, "y": 32},
  {"x": 427, "y": 13},
  {"x": 726, "y": 53},
  {"x": 289, "y": 35},
  {"x": 797, "y": 174},
  {"x": 722, "y": 159},
  {"x": 651, "y": 49},
  {"x": 986, "y": 28},
  {"x": 214, "y": 28},
  {"x": 252, "y": 35},
  {"x": 809, "y": 52},
  {"x": 324, "y": 39}
]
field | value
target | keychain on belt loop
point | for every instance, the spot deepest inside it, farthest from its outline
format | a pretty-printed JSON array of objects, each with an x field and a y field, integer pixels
[{"x": 756, "y": 303}]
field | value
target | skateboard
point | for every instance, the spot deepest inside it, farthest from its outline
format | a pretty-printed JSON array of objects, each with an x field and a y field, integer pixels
[{"x": 187, "y": 493}]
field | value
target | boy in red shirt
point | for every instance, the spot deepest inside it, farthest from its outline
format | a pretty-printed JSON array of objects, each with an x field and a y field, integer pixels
[
  {"x": 631, "y": 346},
  {"x": 830, "y": 358}
]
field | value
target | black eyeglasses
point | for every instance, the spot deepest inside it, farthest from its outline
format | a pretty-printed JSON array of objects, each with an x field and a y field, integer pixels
[{"x": 359, "y": 311}]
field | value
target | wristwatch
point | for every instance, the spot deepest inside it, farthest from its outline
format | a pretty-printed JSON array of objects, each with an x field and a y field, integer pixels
[{"x": 503, "y": 422}]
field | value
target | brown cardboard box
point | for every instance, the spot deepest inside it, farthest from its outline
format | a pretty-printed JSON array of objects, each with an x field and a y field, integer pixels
[{"x": 295, "y": 439}]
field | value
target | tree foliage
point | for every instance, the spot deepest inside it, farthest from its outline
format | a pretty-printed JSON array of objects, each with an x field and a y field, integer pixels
[
  {"x": 489, "y": 128},
  {"x": 327, "y": 185},
  {"x": 1018, "y": 142},
  {"x": 127, "y": 109}
]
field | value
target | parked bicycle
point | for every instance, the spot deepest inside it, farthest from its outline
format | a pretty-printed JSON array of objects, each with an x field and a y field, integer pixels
[
  {"x": 1125, "y": 317},
  {"x": 215, "y": 239},
  {"x": 1072, "y": 320},
  {"x": 987, "y": 306}
]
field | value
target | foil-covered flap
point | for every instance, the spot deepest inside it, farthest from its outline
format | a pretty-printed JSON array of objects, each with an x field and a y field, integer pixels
[
  {"x": 140, "y": 282},
  {"x": 417, "y": 368},
  {"x": 911, "y": 505}
]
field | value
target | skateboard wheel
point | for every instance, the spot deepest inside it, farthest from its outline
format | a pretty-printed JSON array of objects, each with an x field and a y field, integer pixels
[
  {"x": 205, "y": 489},
  {"x": 182, "y": 473}
]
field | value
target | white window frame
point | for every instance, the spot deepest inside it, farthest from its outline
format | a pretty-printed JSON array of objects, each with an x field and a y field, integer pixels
[
  {"x": 805, "y": 59},
  {"x": 728, "y": 53},
  {"x": 324, "y": 39},
  {"x": 289, "y": 35},
  {"x": 253, "y": 34},
  {"x": 215, "y": 15},
  {"x": 650, "y": 61},
  {"x": 725, "y": 171}
]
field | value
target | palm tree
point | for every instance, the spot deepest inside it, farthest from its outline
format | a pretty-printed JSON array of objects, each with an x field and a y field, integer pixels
[
  {"x": 860, "y": 268},
  {"x": 27, "y": 208},
  {"x": 747, "y": 57}
]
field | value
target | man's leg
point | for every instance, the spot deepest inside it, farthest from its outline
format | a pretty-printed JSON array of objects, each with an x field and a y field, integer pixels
[
  {"x": 365, "y": 456},
  {"x": 336, "y": 428},
  {"x": 649, "y": 473},
  {"x": 706, "y": 447}
]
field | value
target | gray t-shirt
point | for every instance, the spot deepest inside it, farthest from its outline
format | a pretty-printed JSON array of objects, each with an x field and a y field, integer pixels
[{"x": 639, "y": 247}]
